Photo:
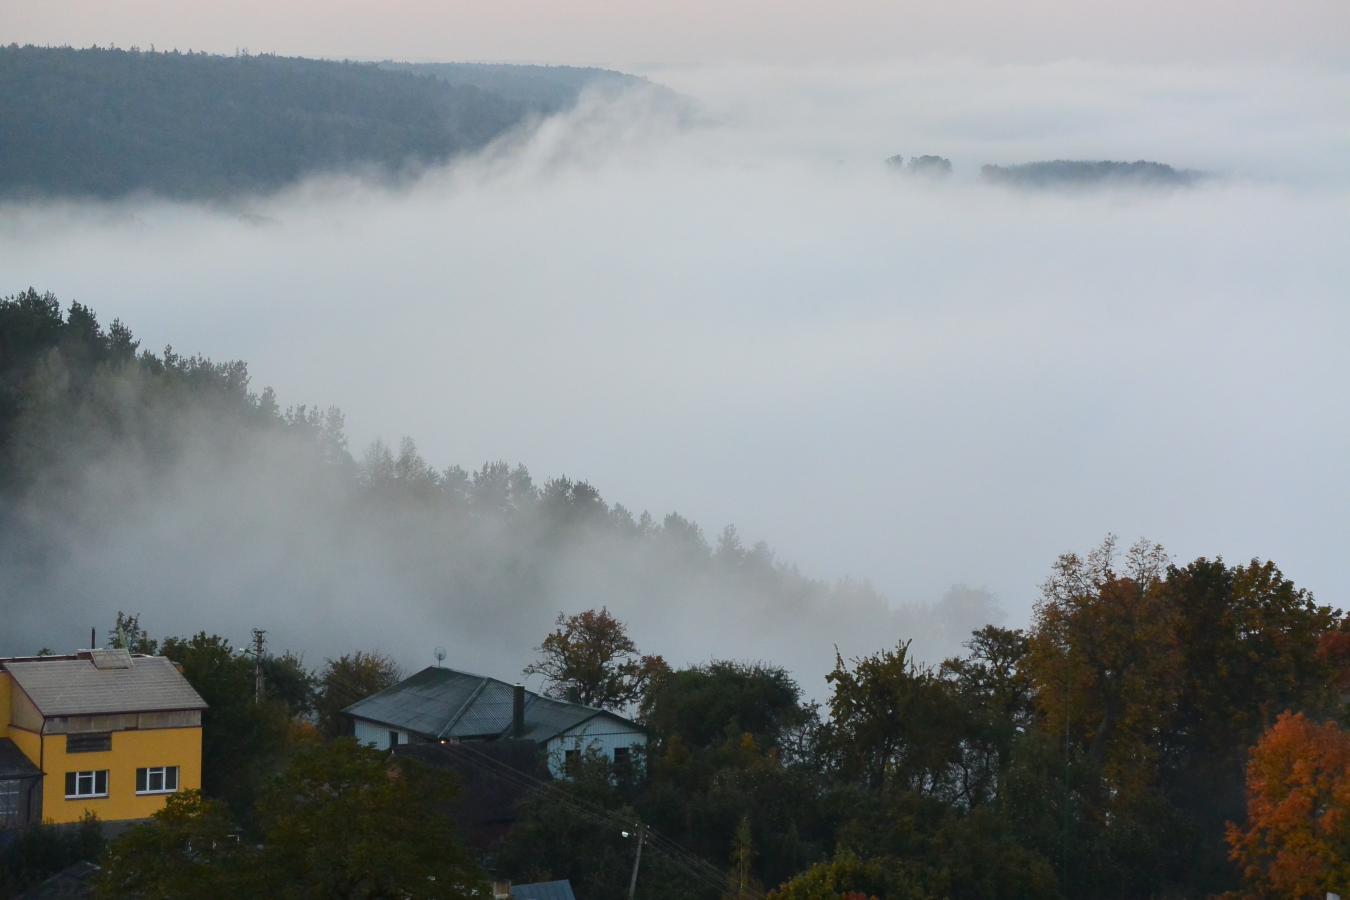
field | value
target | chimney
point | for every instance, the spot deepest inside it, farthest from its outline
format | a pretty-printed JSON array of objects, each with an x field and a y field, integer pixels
[{"x": 518, "y": 712}]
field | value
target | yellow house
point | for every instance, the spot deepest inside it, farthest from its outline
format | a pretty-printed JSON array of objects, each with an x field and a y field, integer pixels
[{"x": 100, "y": 731}]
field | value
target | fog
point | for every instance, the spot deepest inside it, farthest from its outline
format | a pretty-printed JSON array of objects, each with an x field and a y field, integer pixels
[
  {"x": 741, "y": 314},
  {"x": 702, "y": 31}
]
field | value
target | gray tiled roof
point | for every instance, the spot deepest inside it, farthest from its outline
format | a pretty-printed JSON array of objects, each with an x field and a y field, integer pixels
[
  {"x": 13, "y": 764},
  {"x": 445, "y": 703},
  {"x": 543, "y": 890},
  {"x": 74, "y": 881},
  {"x": 75, "y": 687}
]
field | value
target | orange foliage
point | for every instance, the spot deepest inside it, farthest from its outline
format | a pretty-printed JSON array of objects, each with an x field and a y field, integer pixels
[
  {"x": 1297, "y": 839},
  {"x": 1334, "y": 650}
]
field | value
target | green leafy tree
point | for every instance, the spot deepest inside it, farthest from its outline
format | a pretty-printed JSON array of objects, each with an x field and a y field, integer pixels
[
  {"x": 894, "y": 723},
  {"x": 242, "y": 740},
  {"x": 1252, "y": 645},
  {"x": 286, "y": 679},
  {"x": 575, "y": 829},
  {"x": 32, "y": 855},
  {"x": 741, "y": 882},
  {"x": 847, "y": 877},
  {"x": 340, "y": 821},
  {"x": 128, "y": 634},
  {"x": 992, "y": 686},
  {"x": 345, "y": 821},
  {"x": 589, "y": 658},
  {"x": 705, "y": 705},
  {"x": 347, "y": 679},
  {"x": 189, "y": 848}
]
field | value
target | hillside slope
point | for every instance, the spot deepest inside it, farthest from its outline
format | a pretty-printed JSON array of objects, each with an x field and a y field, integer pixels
[{"x": 105, "y": 123}]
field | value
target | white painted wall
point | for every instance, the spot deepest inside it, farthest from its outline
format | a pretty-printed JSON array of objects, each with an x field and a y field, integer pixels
[
  {"x": 375, "y": 735},
  {"x": 602, "y": 733}
]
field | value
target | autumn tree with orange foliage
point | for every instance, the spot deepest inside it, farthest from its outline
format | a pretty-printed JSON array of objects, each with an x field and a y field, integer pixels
[
  {"x": 1297, "y": 839},
  {"x": 1104, "y": 660}
]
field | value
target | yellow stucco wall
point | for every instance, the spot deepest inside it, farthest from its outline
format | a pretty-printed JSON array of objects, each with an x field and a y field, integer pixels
[
  {"x": 131, "y": 750},
  {"x": 28, "y": 742},
  {"x": 6, "y": 687}
]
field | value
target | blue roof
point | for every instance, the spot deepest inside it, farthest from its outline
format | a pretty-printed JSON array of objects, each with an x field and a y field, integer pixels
[
  {"x": 13, "y": 764},
  {"x": 440, "y": 703},
  {"x": 543, "y": 890}
]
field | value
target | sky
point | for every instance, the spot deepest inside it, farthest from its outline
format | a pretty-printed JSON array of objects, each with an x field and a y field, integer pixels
[
  {"x": 655, "y": 32},
  {"x": 748, "y": 319}
]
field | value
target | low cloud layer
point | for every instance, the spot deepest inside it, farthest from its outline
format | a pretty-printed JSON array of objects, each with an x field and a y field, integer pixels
[
  {"x": 749, "y": 319},
  {"x": 702, "y": 31}
]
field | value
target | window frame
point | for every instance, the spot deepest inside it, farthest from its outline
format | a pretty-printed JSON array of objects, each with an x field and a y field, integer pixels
[
  {"x": 144, "y": 774},
  {"x": 10, "y": 814},
  {"x": 101, "y": 742},
  {"x": 93, "y": 776}
]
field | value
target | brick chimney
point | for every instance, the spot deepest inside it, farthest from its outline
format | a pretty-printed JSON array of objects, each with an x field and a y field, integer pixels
[{"x": 518, "y": 712}]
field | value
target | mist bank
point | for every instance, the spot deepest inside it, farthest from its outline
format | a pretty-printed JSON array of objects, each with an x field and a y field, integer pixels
[
  {"x": 162, "y": 485},
  {"x": 748, "y": 319}
]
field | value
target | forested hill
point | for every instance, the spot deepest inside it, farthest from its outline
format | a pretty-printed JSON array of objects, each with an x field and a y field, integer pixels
[
  {"x": 106, "y": 122},
  {"x": 135, "y": 480}
]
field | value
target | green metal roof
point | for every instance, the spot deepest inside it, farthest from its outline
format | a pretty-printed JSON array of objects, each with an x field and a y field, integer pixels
[{"x": 439, "y": 703}]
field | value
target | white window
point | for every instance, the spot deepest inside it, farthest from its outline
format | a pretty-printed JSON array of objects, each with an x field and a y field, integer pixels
[
  {"x": 86, "y": 784},
  {"x": 157, "y": 780}
]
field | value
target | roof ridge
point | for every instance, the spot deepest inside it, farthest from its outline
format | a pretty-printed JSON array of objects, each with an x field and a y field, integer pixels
[{"x": 459, "y": 714}]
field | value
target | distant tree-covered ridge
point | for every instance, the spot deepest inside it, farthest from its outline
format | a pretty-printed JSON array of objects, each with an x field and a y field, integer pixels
[
  {"x": 539, "y": 89},
  {"x": 1083, "y": 173},
  {"x": 108, "y": 122}
]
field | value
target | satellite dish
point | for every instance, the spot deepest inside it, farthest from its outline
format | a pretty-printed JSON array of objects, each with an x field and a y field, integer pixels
[{"x": 440, "y": 655}]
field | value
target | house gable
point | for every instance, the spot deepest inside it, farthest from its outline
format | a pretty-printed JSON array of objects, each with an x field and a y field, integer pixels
[{"x": 111, "y": 733}]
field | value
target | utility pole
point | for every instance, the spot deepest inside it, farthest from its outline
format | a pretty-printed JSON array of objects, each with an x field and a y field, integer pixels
[
  {"x": 258, "y": 642},
  {"x": 637, "y": 860}
]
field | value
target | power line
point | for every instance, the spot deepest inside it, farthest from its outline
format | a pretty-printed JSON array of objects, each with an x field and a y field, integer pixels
[
  {"x": 599, "y": 815},
  {"x": 693, "y": 864}
]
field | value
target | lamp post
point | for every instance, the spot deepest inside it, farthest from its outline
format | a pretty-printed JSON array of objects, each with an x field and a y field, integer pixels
[{"x": 637, "y": 858}]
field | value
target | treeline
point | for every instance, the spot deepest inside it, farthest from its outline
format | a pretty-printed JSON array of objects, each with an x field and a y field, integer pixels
[
  {"x": 1059, "y": 173},
  {"x": 104, "y": 122},
  {"x": 1159, "y": 731},
  {"x": 1071, "y": 173}
]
